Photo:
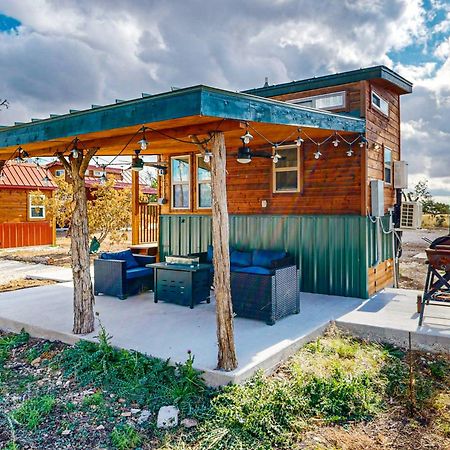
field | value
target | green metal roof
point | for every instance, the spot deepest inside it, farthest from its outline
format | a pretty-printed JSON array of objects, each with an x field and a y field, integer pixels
[
  {"x": 369, "y": 73},
  {"x": 193, "y": 101}
]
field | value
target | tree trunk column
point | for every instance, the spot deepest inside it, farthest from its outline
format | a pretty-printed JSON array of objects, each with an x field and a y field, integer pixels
[
  {"x": 83, "y": 296},
  {"x": 83, "y": 300},
  {"x": 135, "y": 219},
  {"x": 220, "y": 235}
]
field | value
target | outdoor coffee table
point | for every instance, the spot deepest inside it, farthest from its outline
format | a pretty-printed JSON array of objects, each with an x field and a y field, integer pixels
[{"x": 183, "y": 284}]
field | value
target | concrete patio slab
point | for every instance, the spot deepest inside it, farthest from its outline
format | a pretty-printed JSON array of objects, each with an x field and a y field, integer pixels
[
  {"x": 13, "y": 270},
  {"x": 169, "y": 331}
]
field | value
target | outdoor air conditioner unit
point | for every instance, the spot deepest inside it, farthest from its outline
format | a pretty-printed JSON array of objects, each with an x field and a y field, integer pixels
[{"x": 411, "y": 215}]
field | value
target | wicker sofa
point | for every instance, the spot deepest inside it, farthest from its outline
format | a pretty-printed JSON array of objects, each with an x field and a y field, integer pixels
[
  {"x": 264, "y": 283},
  {"x": 122, "y": 274}
]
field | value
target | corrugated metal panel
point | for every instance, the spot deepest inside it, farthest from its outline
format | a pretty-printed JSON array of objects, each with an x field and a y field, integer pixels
[
  {"x": 331, "y": 251},
  {"x": 22, "y": 234},
  {"x": 386, "y": 243},
  {"x": 24, "y": 175}
]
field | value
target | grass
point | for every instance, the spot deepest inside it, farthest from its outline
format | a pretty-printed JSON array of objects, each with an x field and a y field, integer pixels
[
  {"x": 125, "y": 437},
  {"x": 33, "y": 411},
  {"x": 335, "y": 392}
]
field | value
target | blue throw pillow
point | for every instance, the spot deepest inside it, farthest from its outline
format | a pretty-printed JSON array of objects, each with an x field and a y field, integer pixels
[
  {"x": 124, "y": 255},
  {"x": 209, "y": 254},
  {"x": 264, "y": 258},
  {"x": 241, "y": 259}
]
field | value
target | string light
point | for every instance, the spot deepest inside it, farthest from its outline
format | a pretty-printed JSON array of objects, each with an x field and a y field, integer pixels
[
  {"x": 247, "y": 137},
  {"x": 207, "y": 156},
  {"x": 336, "y": 142},
  {"x": 350, "y": 151},
  {"x": 318, "y": 153},
  {"x": 75, "y": 153},
  {"x": 137, "y": 164},
  {"x": 276, "y": 156},
  {"x": 143, "y": 142},
  {"x": 363, "y": 141}
]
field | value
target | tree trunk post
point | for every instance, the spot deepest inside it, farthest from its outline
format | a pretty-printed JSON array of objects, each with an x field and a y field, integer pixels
[
  {"x": 220, "y": 236},
  {"x": 135, "y": 222},
  {"x": 83, "y": 296}
]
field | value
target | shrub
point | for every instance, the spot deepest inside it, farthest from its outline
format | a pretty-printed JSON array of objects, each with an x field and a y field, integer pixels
[
  {"x": 33, "y": 411},
  {"x": 134, "y": 376},
  {"x": 125, "y": 437},
  {"x": 10, "y": 341}
]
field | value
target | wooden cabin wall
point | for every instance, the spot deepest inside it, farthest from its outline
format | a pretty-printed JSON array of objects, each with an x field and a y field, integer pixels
[
  {"x": 14, "y": 205},
  {"x": 354, "y": 97},
  {"x": 384, "y": 131},
  {"x": 331, "y": 185}
]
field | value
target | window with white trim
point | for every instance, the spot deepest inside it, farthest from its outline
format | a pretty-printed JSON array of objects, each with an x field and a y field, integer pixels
[
  {"x": 329, "y": 102},
  {"x": 98, "y": 173},
  {"x": 59, "y": 172},
  {"x": 180, "y": 182},
  {"x": 387, "y": 165},
  {"x": 286, "y": 172},
  {"x": 204, "y": 198},
  {"x": 36, "y": 206},
  {"x": 380, "y": 103}
]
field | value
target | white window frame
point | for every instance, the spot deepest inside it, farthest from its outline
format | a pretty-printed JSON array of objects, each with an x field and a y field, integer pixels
[
  {"x": 31, "y": 206},
  {"x": 59, "y": 172},
  {"x": 276, "y": 170},
  {"x": 382, "y": 102},
  {"x": 98, "y": 173},
  {"x": 384, "y": 165},
  {"x": 314, "y": 99},
  {"x": 197, "y": 197},
  {"x": 173, "y": 183}
]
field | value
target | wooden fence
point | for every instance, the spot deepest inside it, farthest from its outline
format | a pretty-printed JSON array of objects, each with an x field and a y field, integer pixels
[
  {"x": 148, "y": 222},
  {"x": 22, "y": 234}
]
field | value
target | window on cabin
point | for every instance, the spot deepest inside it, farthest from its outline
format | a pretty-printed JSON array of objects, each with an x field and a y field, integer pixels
[
  {"x": 180, "y": 180},
  {"x": 380, "y": 104},
  {"x": 204, "y": 198},
  {"x": 387, "y": 165},
  {"x": 286, "y": 172},
  {"x": 36, "y": 206},
  {"x": 59, "y": 172},
  {"x": 98, "y": 173},
  {"x": 335, "y": 100}
]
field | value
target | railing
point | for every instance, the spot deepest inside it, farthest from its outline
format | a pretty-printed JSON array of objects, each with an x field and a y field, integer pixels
[
  {"x": 22, "y": 234},
  {"x": 148, "y": 222}
]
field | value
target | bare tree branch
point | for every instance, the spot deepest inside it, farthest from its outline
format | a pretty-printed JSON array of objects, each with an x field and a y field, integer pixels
[{"x": 4, "y": 103}]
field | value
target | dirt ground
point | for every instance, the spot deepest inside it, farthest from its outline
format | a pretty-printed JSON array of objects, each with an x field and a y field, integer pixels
[{"x": 413, "y": 268}]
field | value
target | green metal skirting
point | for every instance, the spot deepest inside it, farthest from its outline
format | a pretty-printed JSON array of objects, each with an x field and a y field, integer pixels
[{"x": 333, "y": 252}]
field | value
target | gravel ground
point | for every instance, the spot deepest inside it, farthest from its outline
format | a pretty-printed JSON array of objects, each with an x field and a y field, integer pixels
[{"x": 413, "y": 269}]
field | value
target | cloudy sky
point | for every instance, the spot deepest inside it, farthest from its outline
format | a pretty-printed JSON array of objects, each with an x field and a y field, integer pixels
[{"x": 61, "y": 54}]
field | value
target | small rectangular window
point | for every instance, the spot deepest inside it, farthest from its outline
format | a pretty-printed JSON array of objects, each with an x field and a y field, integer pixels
[
  {"x": 181, "y": 183},
  {"x": 98, "y": 173},
  {"x": 59, "y": 172},
  {"x": 387, "y": 165},
  {"x": 286, "y": 172},
  {"x": 380, "y": 104},
  {"x": 329, "y": 102},
  {"x": 36, "y": 206},
  {"x": 204, "y": 198}
]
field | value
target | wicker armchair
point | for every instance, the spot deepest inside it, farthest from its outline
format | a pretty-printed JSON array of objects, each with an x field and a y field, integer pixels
[
  {"x": 113, "y": 277},
  {"x": 267, "y": 290}
]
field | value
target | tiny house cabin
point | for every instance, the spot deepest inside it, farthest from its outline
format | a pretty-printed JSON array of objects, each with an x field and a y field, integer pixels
[
  {"x": 23, "y": 217},
  {"x": 315, "y": 202}
]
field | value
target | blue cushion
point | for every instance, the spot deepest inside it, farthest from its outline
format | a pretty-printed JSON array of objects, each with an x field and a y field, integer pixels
[
  {"x": 124, "y": 255},
  {"x": 209, "y": 254},
  {"x": 264, "y": 258},
  {"x": 257, "y": 270},
  {"x": 139, "y": 272},
  {"x": 240, "y": 258}
]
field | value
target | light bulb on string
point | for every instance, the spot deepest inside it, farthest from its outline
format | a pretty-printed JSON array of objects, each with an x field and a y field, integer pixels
[
  {"x": 336, "y": 142},
  {"x": 276, "y": 156},
  {"x": 350, "y": 151},
  {"x": 247, "y": 137},
  {"x": 143, "y": 143},
  {"x": 362, "y": 142},
  {"x": 207, "y": 156},
  {"x": 318, "y": 154},
  {"x": 299, "y": 141}
]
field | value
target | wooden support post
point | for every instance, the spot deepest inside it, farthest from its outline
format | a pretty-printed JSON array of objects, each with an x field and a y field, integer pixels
[
  {"x": 221, "y": 259},
  {"x": 134, "y": 207},
  {"x": 83, "y": 296},
  {"x": 53, "y": 224}
]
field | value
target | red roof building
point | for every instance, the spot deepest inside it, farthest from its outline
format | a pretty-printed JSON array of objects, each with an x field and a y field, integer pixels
[{"x": 23, "y": 216}]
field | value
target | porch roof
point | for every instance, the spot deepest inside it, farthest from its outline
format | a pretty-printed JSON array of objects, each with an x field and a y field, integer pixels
[{"x": 194, "y": 110}]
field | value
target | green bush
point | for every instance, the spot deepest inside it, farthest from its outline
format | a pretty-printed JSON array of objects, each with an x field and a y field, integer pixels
[
  {"x": 134, "y": 376},
  {"x": 10, "y": 341},
  {"x": 125, "y": 437},
  {"x": 33, "y": 411}
]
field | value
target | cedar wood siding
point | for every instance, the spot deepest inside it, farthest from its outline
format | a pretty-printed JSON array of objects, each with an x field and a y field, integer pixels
[{"x": 14, "y": 205}]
